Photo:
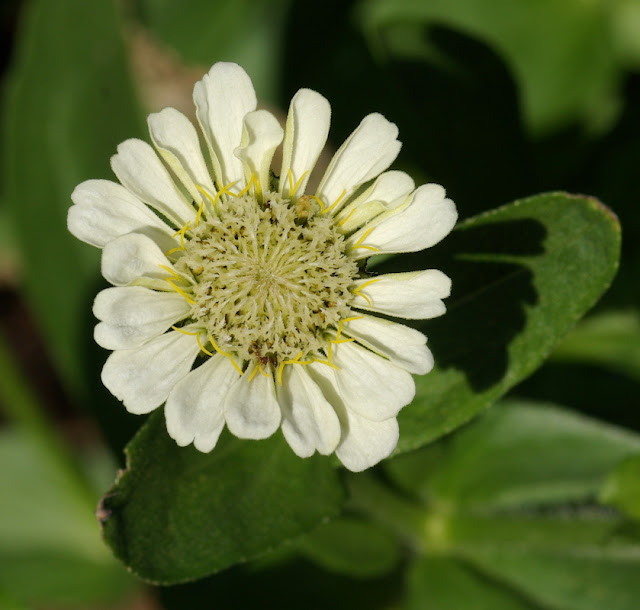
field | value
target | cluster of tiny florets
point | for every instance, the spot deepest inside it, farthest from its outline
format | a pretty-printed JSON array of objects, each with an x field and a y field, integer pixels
[{"x": 272, "y": 278}]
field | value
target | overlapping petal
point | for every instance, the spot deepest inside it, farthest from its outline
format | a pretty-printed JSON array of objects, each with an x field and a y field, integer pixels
[
  {"x": 309, "y": 423},
  {"x": 133, "y": 314},
  {"x": 141, "y": 172},
  {"x": 195, "y": 407},
  {"x": 251, "y": 408},
  {"x": 416, "y": 295},
  {"x": 223, "y": 98},
  {"x": 387, "y": 192},
  {"x": 133, "y": 256},
  {"x": 105, "y": 210},
  {"x": 177, "y": 142},
  {"x": 143, "y": 377},
  {"x": 366, "y": 442},
  {"x": 369, "y": 384},
  {"x": 369, "y": 150},
  {"x": 363, "y": 442},
  {"x": 421, "y": 222},
  {"x": 305, "y": 136},
  {"x": 261, "y": 136},
  {"x": 403, "y": 346}
]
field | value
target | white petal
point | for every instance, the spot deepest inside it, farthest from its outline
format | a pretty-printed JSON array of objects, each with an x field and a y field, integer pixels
[
  {"x": 222, "y": 98},
  {"x": 364, "y": 442},
  {"x": 305, "y": 136},
  {"x": 251, "y": 408},
  {"x": 416, "y": 295},
  {"x": 369, "y": 384},
  {"x": 405, "y": 347},
  {"x": 195, "y": 407},
  {"x": 132, "y": 315},
  {"x": 139, "y": 169},
  {"x": 309, "y": 421},
  {"x": 105, "y": 210},
  {"x": 419, "y": 223},
  {"x": 132, "y": 256},
  {"x": 177, "y": 142},
  {"x": 143, "y": 377},
  {"x": 261, "y": 136},
  {"x": 389, "y": 191},
  {"x": 369, "y": 150}
]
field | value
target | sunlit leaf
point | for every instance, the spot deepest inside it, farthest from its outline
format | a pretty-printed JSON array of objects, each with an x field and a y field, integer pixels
[{"x": 622, "y": 488}]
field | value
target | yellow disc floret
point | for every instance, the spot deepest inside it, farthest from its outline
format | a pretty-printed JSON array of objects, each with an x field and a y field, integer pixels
[{"x": 271, "y": 278}]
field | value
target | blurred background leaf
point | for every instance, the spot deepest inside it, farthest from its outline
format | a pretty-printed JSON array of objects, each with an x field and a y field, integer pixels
[
  {"x": 610, "y": 339},
  {"x": 352, "y": 547},
  {"x": 50, "y": 547},
  {"x": 622, "y": 488},
  {"x": 513, "y": 496},
  {"x": 573, "y": 76},
  {"x": 442, "y": 583},
  {"x": 69, "y": 103},
  {"x": 248, "y": 32}
]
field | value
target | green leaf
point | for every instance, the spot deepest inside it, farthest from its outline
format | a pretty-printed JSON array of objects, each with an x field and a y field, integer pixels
[
  {"x": 522, "y": 276},
  {"x": 577, "y": 577},
  {"x": 441, "y": 583},
  {"x": 177, "y": 514},
  {"x": 50, "y": 546},
  {"x": 10, "y": 603},
  {"x": 518, "y": 453},
  {"x": 248, "y": 32},
  {"x": 351, "y": 546},
  {"x": 515, "y": 498},
  {"x": 69, "y": 103},
  {"x": 622, "y": 487},
  {"x": 610, "y": 339},
  {"x": 564, "y": 54}
]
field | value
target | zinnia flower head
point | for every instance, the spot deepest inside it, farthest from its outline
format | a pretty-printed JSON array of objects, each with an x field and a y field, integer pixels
[{"x": 241, "y": 298}]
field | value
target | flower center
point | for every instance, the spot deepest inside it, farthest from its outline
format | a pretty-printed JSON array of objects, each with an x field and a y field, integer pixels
[{"x": 272, "y": 278}]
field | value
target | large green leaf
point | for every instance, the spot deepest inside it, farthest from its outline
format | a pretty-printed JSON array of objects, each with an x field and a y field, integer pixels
[
  {"x": 573, "y": 577},
  {"x": 177, "y": 514},
  {"x": 441, "y": 583},
  {"x": 522, "y": 276},
  {"x": 515, "y": 497},
  {"x": 518, "y": 453},
  {"x": 565, "y": 55},
  {"x": 69, "y": 102}
]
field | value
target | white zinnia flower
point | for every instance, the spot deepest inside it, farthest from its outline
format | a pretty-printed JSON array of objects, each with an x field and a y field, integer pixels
[{"x": 218, "y": 263}]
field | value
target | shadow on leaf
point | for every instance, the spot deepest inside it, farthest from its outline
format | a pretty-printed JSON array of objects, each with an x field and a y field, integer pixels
[{"x": 491, "y": 291}]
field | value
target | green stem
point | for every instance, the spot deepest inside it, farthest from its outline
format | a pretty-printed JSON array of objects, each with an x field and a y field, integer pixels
[
  {"x": 406, "y": 519},
  {"x": 22, "y": 406}
]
